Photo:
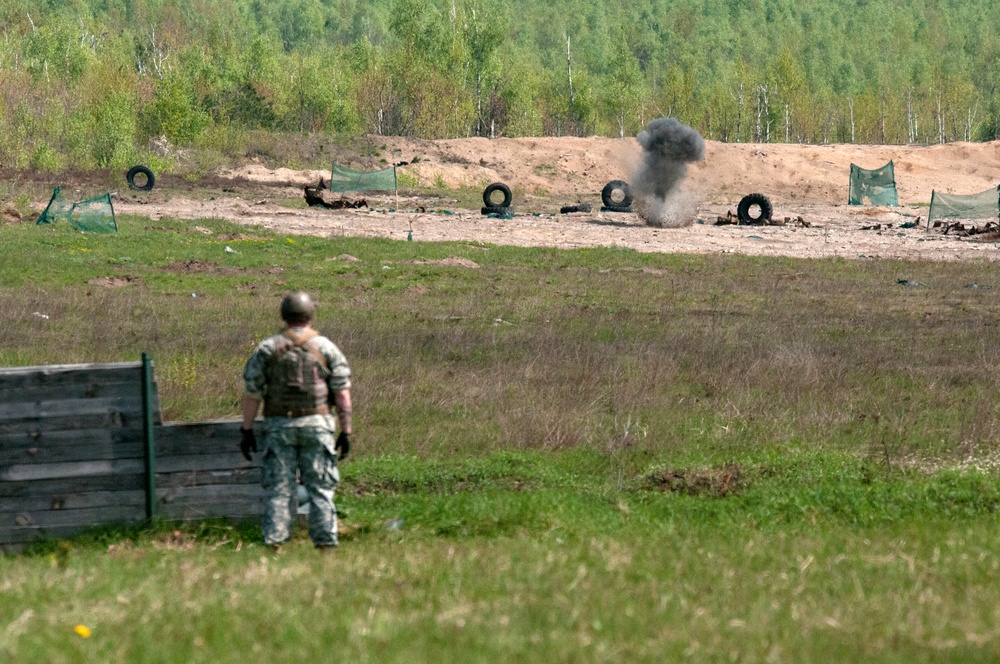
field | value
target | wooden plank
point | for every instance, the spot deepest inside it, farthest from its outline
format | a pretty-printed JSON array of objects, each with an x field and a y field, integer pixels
[
  {"x": 133, "y": 463},
  {"x": 197, "y": 438},
  {"x": 121, "y": 395},
  {"x": 90, "y": 390},
  {"x": 57, "y": 382},
  {"x": 64, "y": 446},
  {"x": 197, "y": 510},
  {"x": 69, "y": 485},
  {"x": 72, "y": 501},
  {"x": 200, "y": 478},
  {"x": 210, "y": 492},
  {"x": 13, "y": 539},
  {"x": 70, "y": 438},
  {"x": 108, "y": 419},
  {"x": 75, "y": 469},
  {"x": 46, "y": 374},
  {"x": 129, "y": 406},
  {"x": 213, "y": 501},
  {"x": 86, "y": 516},
  {"x": 201, "y": 462}
]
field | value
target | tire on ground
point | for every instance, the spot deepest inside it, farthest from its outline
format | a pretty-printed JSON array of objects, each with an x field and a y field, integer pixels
[
  {"x": 761, "y": 201},
  {"x": 501, "y": 187},
  {"x": 607, "y": 194},
  {"x": 499, "y": 210},
  {"x": 582, "y": 207},
  {"x": 140, "y": 170}
]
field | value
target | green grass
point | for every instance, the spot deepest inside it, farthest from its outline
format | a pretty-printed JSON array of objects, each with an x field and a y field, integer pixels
[{"x": 597, "y": 455}]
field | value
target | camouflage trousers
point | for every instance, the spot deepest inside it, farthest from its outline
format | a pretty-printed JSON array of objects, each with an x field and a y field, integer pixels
[{"x": 309, "y": 452}]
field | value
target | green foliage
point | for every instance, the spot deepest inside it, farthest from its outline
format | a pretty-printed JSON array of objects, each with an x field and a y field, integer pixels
[
  {"x": 46, "y": 159},
  {"x": 876, "y": 71},
  {"x": 174, "y": 112}
]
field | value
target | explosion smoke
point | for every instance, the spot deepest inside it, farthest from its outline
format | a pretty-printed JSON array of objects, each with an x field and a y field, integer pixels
[{"x": 667, "y": 147}]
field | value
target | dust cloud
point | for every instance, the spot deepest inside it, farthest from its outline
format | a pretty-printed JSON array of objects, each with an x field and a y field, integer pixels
[{"x": 667, "y": 148}]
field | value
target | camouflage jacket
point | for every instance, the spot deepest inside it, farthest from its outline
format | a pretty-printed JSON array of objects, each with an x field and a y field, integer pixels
[{"x": 255, "y": 379}]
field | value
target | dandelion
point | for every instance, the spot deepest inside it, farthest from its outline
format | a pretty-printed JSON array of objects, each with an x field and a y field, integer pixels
[{"x": 83, "y": 631}]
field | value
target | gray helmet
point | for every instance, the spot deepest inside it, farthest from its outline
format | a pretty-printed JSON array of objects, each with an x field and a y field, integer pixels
[{"x": 297, "y": 307}]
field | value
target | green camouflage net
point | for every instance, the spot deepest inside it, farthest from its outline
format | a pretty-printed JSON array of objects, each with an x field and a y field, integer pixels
[
  {"x": 876, "y": 187},
  {"x": 343, "y": 179},
  {"x": 94, "y": 215},
  {"x": 984, "y": 206}
]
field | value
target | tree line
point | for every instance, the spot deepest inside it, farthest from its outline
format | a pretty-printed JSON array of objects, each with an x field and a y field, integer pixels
[{"x": 87, "y": 83}]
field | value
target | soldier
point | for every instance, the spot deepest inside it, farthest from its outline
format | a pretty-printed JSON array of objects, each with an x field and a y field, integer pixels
[{"x": 297, "y": 375}]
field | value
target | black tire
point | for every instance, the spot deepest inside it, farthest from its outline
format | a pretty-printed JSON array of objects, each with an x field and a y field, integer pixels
[
  {"x": 140, "y": 170},
  {"x": 743, "y": 210},
  {"x": 616, "y": 208},
  {"x": 501, "y": 210},
  {"x": 501, "y": 187},
  {"x": 607, "y": 194},
  {"x": 583, "y": 207}
]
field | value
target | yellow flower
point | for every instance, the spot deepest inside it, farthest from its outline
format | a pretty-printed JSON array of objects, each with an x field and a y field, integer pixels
[{"x": 82, "y": 630}]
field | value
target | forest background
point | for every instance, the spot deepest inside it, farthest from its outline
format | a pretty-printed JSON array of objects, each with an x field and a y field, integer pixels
[{"x": 89, "y": 83}]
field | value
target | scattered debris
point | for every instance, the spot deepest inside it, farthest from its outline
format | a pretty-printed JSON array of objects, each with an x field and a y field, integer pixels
[
  {"x": 729, "y": 219},
  {"x": 38, "y": 314},
  {"x": 316, "y": 198},
  {"x": 963, "y": 230},
  {"x": 581, "y": 207},
  {"x": 908, "y": 282},
  {"x": 230, "y": 250}
]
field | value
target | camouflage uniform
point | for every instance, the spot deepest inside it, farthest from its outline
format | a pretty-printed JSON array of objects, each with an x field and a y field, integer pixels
[{"x": 305, "y": 444}]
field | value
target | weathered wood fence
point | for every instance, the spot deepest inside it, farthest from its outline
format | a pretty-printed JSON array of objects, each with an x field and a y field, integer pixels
[{"x": 84, "y": 445}]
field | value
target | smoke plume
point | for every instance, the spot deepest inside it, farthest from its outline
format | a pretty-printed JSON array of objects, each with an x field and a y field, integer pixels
[{"x": 667, "y": 148}]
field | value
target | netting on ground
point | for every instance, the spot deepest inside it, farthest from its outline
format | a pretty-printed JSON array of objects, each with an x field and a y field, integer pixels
[
  {"x": 984, "y": 206},
  {"x": 94, "y": 215},
  {"x": 877, "y": 187},
  {"x": 344, "y": 179}
]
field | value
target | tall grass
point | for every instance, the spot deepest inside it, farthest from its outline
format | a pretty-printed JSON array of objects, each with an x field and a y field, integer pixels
[{"x": 536, "y": 349}]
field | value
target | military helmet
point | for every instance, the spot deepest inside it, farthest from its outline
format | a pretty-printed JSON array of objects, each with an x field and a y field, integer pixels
[{"x": 297, "y": 307}]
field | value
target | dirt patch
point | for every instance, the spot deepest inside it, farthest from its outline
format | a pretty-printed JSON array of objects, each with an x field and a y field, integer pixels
[
  {"x": 344, "y": 257},
  {"x": 113, "y": 282},
  {"x": 11, "y": 216},
  {"x": 451, "y": 261},
  {"x": 418, "y": 289},
  {"x": 711, "y": 482},
  {"x": 202, "y": 267}
]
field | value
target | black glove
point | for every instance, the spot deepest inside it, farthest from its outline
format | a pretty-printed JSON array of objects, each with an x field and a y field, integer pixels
[
  {"x": 248, "y": 443},
  {"x": 343, "y": 445}
]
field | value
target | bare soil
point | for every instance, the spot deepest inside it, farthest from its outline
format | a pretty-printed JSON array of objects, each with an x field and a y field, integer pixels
[{"x": 545, "y": 174}]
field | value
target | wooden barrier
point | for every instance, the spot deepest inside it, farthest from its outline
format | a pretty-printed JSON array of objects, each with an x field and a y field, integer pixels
[{"x": 73, "y": 454}]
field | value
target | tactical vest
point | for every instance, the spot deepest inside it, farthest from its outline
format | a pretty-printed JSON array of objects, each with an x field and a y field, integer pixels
[{"x": 296, "y": 376}]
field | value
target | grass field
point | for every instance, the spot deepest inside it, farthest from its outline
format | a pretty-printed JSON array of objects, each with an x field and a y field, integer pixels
[{"x": 597, "y": 455}]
